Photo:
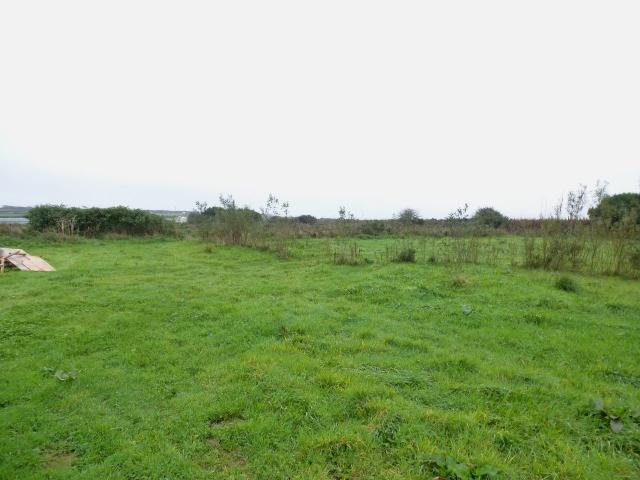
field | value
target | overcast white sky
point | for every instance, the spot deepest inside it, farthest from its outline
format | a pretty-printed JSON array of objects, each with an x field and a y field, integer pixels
[{"x": 373, "y": 105}]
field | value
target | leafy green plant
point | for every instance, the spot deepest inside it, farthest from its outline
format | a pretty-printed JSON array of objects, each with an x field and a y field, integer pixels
[
  {"x": 612, "y": 416},
  {"x": 387, "y": 431}
]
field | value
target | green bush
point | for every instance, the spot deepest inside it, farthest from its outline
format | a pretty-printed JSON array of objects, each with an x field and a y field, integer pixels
[
  {"x": 307, "y": 219},
  {"x": 409, "y": 216},
  {"x": 490, "y": 217},
  {"x": 232, "y": 224},
  {"x": 616, "y": 208},
  {"x": 95, "y": 221}
]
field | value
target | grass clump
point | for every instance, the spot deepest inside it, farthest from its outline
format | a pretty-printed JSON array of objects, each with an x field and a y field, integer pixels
[
  {"x": 448, "y": 467},
  {"x": 406, "y": 255},
  {"x": 567, "y": 284},
  {"x": 460, "y": 281},
  {"x": 350, "y": 254}
]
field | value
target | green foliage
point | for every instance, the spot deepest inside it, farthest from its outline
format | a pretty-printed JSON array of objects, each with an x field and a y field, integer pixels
[
  {"x": 95, "y": 221},
  {"x": 307, "y": 219},
  {"x": 387, "y": 431},
  {"x": 613, "y": 417},
  {"x": 489, "y": 217},
  {"x": 227, "y": 223},
  {"x": 579, "y": 245},
  {"x": 347, "y": 254},
  {"x": 203, "y": 213},
  {"x": 616, "y": 208},
  {"x": 567, "y": 284},
  {"x": 407, "y": 255},
  {"x": 409, "y": 216},
  {"x": 373, "y": 227}
]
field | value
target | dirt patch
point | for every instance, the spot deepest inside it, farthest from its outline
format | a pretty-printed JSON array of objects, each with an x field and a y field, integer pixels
[{"x": 59, "y": 460}]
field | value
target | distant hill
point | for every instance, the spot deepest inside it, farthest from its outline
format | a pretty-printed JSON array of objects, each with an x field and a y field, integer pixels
[{"x": 12, "y": 211}]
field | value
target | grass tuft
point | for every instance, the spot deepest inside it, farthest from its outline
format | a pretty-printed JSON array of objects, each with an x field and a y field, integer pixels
[
  {"x": 460, "y": 281},
  {"x": 567, "y": 284}
]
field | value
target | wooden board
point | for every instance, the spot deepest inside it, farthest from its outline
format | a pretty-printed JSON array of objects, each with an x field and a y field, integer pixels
[{"x": 25, "y": 262}]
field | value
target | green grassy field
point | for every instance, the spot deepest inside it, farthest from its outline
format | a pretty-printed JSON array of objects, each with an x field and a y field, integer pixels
[{"x": 158, "y": 359}]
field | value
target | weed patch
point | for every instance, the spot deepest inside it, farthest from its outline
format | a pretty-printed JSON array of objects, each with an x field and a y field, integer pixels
[{"x": 567, "y": 284}]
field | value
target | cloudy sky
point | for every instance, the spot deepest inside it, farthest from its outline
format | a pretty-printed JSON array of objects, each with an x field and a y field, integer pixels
[{"x": 373, "y": 105}]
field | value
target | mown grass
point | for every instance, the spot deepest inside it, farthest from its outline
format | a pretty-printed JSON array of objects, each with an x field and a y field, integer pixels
[{"x": 230, "y": 363}]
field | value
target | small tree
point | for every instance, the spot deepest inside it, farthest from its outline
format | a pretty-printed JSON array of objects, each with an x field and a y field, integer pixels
[
  {"x": 490, "y": 217},
  {"x": 274, "y": 208},
  {"x": 201, "y": 207},
  {"x": 460, "y": 214},
  {"x": 409, "y": 216},
  {"x": 576, "y": 201},
  {"x": 344, "y": 214},
  {"x": 234, "y": 223},
  {"x": 616, "y": 208}
]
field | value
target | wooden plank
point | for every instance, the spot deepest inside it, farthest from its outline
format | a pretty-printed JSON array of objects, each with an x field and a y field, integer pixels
[
  {"x": 37, "y": 264},
  {"x": 29, "y": 263},
  {"x": 18, "y": 262}
]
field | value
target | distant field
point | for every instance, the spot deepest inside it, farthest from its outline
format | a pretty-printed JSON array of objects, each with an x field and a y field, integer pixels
[
  {"x": 13, "y": 212},
  {"x": 158, "y": 359}
]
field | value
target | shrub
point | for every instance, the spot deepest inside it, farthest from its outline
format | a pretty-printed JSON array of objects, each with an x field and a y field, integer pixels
[
  {"x": 96, "y": 221},
  {"x": 406, "y": 255},
  {"x": 615, "y": 208},
  {"x": 232, "y": 224},
  {"x": 307, "y": 219},
  {"x": 372, "y": 227},
  {"x": 409, "y": 216},
  {"x": 489, "y": 217},
  {"x": 566, "y": 284}
]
